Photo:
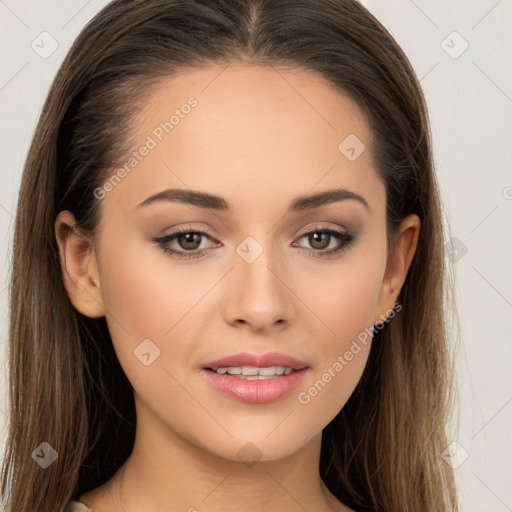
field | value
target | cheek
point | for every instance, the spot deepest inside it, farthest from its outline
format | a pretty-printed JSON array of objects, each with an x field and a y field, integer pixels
[
  {"x": 345, "y": 308},
  {"x": 143, "y": 299},
  {"x": 341, "y": 357},
  {"x": 144, "y": 290},
  {"x": 341, "y": 299}
]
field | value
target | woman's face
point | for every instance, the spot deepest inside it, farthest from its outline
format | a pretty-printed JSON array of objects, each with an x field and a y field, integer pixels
[{"x": 245, "y": 149}]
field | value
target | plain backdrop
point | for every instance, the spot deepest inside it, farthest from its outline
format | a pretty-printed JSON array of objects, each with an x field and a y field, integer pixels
[{"x": 460, "y": 49}]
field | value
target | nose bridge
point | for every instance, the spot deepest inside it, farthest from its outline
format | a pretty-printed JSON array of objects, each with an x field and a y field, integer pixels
[{"x": 258, "y": 294}]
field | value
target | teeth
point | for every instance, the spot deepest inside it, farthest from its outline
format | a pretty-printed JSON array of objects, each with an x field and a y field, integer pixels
[{"x": 253, "y": 372}]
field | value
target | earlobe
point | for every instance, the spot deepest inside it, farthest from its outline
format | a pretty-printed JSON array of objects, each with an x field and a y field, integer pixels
[
  {"x": 79, "y": 266},
  {"x": 397, "y": 267}
]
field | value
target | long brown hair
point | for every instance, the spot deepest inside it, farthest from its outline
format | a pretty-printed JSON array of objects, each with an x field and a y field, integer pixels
[{"x": 383, "y": 450}]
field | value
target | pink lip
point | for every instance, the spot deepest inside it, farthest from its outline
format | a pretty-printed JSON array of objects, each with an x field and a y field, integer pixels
[
  {"x": 256, "y": 391},
  {"x": 260, "y": 360}
]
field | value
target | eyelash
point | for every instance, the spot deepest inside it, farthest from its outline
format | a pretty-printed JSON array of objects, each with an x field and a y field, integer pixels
[{"x": 346, "y": 237}]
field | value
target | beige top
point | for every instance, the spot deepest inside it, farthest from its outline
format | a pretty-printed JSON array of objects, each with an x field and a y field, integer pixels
[
  {"x": 74, "y": 506},
  {"x": 78, "y": 506}
]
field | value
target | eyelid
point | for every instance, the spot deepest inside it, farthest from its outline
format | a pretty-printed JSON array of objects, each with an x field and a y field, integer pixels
[
  {"x": 324, "y": 227},
  {"x": 189, "y": 229}
]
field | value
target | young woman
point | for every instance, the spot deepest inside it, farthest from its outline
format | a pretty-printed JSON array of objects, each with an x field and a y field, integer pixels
[{"x": 228, "y": 285}]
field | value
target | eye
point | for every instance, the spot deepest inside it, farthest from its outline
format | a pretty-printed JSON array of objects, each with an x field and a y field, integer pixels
[
  {"x": 321, "y": 239},
  {"x": 188, "y": 240}
]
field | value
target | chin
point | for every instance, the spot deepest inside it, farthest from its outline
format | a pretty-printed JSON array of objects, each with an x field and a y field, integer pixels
[{"x": 255, "y": 445}]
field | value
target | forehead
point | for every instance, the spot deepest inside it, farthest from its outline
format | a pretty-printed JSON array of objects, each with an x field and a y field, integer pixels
[
  {"x": 254, "y": 100},
  {"x": 268, "y": 128}
]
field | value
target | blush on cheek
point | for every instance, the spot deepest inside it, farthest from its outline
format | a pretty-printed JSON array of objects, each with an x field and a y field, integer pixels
[{"x": 132, "y": 285}]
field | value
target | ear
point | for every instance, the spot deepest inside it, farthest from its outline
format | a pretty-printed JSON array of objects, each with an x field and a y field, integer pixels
[
  {"x": 79, "y": 266},
  {"x": 398, "y": 263}
]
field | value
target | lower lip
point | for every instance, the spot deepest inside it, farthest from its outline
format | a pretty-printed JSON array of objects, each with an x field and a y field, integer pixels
[{"x": 255, "y": 391}]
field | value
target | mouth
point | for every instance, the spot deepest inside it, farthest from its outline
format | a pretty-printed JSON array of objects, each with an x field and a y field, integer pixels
[
  {"x": 255, "y": 378},
  {"x": 253, "y": 372}
]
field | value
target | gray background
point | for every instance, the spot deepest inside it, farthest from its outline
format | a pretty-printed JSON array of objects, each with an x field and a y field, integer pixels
[{"x": 469, "y": 94}]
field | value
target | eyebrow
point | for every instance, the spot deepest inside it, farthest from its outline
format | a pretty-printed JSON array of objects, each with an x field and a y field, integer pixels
[{"x": 209, "y": 201}]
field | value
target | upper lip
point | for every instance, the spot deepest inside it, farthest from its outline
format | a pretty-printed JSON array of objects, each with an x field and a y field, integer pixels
[{"x": 258, "y": 360}]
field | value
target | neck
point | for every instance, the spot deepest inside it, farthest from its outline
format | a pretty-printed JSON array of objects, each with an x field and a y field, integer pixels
[{"x": 167, "y": 472}]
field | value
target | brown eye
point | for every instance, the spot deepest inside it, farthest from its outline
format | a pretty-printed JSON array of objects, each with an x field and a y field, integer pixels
[
  {"x": 319, "y": 240},
  {"x": 189, "y": 241},
  {"x": 183, "y": 243}
]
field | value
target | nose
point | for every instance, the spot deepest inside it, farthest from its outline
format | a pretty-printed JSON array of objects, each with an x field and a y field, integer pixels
[{"x": 258, "y": 296}]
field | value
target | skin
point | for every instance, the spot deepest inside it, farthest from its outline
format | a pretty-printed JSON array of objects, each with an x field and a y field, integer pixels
[{"x": 259, "y": 137}]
